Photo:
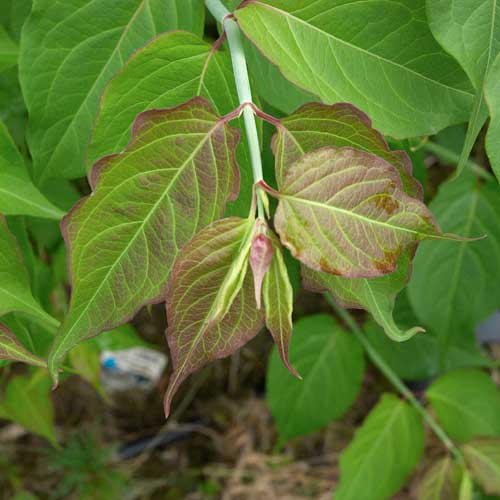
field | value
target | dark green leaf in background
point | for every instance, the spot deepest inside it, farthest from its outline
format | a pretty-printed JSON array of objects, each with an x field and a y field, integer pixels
[
  {"x": 456, "y": 285},
  {"x": 331, "y": 362},
  {"x": 384, "y": 451},
  {"x": 69, "y": 51},
  {"x": 467, "y": 403}
]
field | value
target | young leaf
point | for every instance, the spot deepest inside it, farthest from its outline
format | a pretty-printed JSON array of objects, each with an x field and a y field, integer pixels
[
  {"x": 173, "y": 178},
  {"x": 441, "y": 482},
  {"x": 457, "y": 285},
  {"x": 331, "y": 362},
  {"x": 278, "y": 303},
  {"x": 383, "y": 453},
  {"x": 483, "y": 458},
  {"x": 467, "y": 403},
  {"x": 27, "y": 402},
  {"x": 376, "y": 295},
  {"x": 168, "y": 71},
  {"x": 12, "y": 349},
  {"x": 316, "y": 125},
  {"x": 18, "y": 195},
  {"x": 470, "y": 31},
  {"x": 344, "y": 212},
  {"x": 15, "y": 292},
  {"x": 427, "y": 89},
  {"x": 492, "y": 93},
  {"x": 68, "y": 53},
  {"x": 195, "y": 288},
  {"x": 260, "y": 258}
]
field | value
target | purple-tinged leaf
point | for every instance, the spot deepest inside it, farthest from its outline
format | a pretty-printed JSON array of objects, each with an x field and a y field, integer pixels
[
  {"x": 278, "y": 304},
  {"x": 11, "y": 349},
  {"x": 261, "y": 256},
  {"x": 194, "y": 290},
  {"x": 344, "y": 212},
  {"x": 316, "y": 125},
  {"x": 173, "y": 179}
]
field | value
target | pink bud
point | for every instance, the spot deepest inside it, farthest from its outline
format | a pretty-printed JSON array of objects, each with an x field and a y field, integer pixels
[{"x": 261, "y": 255}]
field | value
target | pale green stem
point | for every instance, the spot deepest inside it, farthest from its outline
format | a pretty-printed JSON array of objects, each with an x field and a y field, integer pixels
[
  {"x": 240, "y": 70},
  {"x": 398, "y": 384},
  {"x": 448, "y": 155}
]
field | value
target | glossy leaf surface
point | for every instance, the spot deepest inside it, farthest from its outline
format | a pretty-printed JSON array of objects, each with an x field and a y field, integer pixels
[
  {"x": 173, "y": 178},
  {"x": 330, "y": 360},
  {"x": 334, "y": 53}
]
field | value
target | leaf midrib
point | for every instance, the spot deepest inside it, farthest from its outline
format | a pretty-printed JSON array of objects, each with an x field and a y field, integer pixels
[
  {"x": 140, "y": 229},
  {"x": 354, "y": 47}
]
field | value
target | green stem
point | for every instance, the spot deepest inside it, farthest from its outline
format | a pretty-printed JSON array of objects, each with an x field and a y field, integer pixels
[
  {"x": 240, "y": 70},
  {"x": 448, "y": 155},
  {"x": 378, "y": 361}
]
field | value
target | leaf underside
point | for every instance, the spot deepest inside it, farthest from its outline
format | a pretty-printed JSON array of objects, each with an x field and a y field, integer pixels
[
  {"x": 11, "y": 349},
  {"x": 173, "y": 179},
  {"x": 344, "y": 212},
  {"x": 197, "y": 277}
]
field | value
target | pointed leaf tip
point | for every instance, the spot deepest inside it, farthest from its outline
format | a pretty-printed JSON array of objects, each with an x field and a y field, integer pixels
[{"x": 261, "y": 256}]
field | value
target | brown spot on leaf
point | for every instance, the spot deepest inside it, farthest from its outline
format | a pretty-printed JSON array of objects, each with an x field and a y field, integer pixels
[
  {"x": 389, "y": 263},
  {"x": 327, "y": 268},
  {"x": 387, "y": 203}
]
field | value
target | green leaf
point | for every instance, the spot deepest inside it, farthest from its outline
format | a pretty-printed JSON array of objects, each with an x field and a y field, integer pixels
[
  {"x": 344, "y": 212},
  {"x": 383, "y": 453},
  {"x": 427, "y": 89},
  {"x": 492, "y": 93},
  {"x": 170, "y": 70},
  {"x": 483, "y": 458},
  {"x": 27, "y": 402},
  {"x": 331, "y": 363},
  {"x": 147, "y": 203},
  {"x": 270, "y": 84},
  {"x": 18, "y": 195},
  {"x": 376, "y": 295},
  {"x": 8, "y": 50},
  {"x": 278, "y": 303},
  {"x": 12, "y": 349},
  {"x": 457, "y": 285},
  {"x": 200, "y": 271},
  {"x": 470, "y": 31},
  {"x": 441, "y": 481},
  {"x": 316, "y": 125},
  {"x": 15, "y": 293},
  {"x": 68, "y": 53},
  {"x": 467, "y": 403}
]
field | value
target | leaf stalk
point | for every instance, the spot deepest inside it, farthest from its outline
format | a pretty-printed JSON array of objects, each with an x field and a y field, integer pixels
[
  {"x": 394, "y": 379},
  {"x": 240, "y": 71}
]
